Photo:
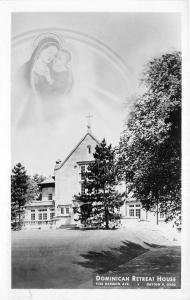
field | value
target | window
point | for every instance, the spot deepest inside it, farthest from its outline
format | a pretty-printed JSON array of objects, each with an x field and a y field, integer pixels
[
  {"x": 89, "y": 149},
  {"x": 51, "y": 215},
  {"x": 126, "y": 209},
  {"x": 44, "y": 216},
  {"x": 131, "y": 205},
  {"x": 33, "y": 217},
  {"x": 162, "y": 215},
  {"x": 40, "y": 216},
  {"x": 42, "y": 209},
  {"x": 131, "y": 212},
  {"x": 82, "y": 189},
  {"x": 67, "y": 210},
  {"x": 32, "y": 210},
  {"x": 138, "y": 212},
  {"x": 49, "y": 196},
  {"x": 90, "y": 177},
  {"x": 82, "y": 172},
  {"x": 138, "y": 205},
  {"x": 62, "y": 210},
  {"x": 51, "y": 209}
]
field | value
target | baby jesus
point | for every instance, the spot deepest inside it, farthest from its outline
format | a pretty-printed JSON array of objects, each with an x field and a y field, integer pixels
[
  {"x": 59, "y": 65},
  {"x": 60, "y": 61},
  {"x": 55, "y": 72},
  {"x": 61, "y": 73},
  {"x": 43, "y": 70}
]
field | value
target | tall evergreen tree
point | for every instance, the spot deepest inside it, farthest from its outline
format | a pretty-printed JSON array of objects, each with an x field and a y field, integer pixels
[
  {"x": 99, "y": 205},
  {"x": 19, "y": 185}
]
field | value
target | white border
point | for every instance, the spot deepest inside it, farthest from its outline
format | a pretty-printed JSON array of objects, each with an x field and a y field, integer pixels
[{"x": 6, "y": 8}]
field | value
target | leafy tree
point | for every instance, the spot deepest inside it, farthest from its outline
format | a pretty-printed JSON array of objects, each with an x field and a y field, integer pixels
[
  {"x": 38, "y": 178},
  {"x": 150, "y": 146},
  {"x": 19, "y": 185},
  {"x": 33, "y": 190},
  {"x": 99, "y": 205}
]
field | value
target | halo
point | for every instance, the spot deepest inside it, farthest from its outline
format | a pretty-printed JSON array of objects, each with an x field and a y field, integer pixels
[{"x": 58, "y": 38}]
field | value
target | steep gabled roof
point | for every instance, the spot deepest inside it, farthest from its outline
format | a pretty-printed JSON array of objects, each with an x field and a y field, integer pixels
[{"x": 57, "y": 167}]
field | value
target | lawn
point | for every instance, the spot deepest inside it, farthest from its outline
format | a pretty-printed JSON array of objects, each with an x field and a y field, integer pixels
[{"x": 68, "y": 258}]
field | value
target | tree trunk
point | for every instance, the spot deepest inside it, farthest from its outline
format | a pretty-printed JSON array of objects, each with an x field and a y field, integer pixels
[
  {"x": 106, "y": 210},
  {"x": 19, "y": 216},
  {"x": 157, "y": 212},
  {"x": 156, "y": 197},
  {"x": 106, "y": 218},
  {"x": 15, "y": 218}
]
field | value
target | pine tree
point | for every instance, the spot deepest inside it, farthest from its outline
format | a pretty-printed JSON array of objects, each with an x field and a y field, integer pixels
[
  {"x": 19, "y": 185},
  {"x": 99, "y": 205}
]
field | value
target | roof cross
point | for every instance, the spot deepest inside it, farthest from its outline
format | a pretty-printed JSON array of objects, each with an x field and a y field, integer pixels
[{"x": 88, "y": 122}]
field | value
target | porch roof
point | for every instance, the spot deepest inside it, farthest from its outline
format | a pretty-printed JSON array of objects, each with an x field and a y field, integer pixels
[
  {"x": 49, "y": 181},
  {"x": 40, "y": 203}
]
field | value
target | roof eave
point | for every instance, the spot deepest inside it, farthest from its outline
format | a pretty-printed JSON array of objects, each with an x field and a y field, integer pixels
[{"x": 88, "y": 133}]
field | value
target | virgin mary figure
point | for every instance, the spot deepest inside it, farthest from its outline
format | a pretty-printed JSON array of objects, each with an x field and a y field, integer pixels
[
  {"x": 47, "y": 72},
  {"x": 42, "y": 81}
]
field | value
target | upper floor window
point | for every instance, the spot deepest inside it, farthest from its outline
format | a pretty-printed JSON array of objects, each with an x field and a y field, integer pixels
[
  {"x": 82, "y": 172},
  {"x": 82, "y": 188},
  {"x": 62, "y": 210},
  {"x": 49, "y": 196},
  {"x": 89, "y": 149}
]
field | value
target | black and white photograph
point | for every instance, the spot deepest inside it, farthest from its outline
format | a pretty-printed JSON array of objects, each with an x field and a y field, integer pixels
[{"x": 96, "y": 150}]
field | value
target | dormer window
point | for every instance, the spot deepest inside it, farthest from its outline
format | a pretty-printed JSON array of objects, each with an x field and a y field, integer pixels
[{"x": 89, "y": 148}]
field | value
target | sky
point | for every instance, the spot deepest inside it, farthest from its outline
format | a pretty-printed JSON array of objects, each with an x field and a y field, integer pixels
[{"x": 108, "y": 52}]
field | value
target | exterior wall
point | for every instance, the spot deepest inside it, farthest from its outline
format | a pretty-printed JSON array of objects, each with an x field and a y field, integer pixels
[
  {"x": 36, "y": 210},
  {"x": 67, "y": 184},
  {"x": 68, "y": 178},
  {"x": 149, "y": 216},
  {"x": 46, "y": 191},
  {"x": 64, "y": 215}
]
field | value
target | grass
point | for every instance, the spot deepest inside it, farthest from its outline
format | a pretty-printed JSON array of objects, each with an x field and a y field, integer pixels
[{"x": 68, "y": 258}]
